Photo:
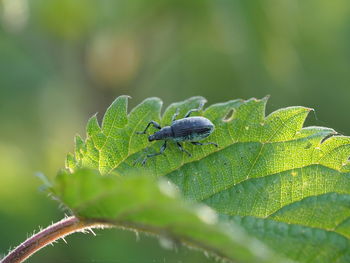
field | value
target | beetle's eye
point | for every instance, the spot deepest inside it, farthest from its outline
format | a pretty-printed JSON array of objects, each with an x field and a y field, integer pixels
[{"x": 151, "y": 138}]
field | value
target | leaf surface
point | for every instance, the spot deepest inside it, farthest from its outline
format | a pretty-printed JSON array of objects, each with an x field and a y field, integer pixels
[
  {"x": 142, "y": 203},
  {"x": 287, "y": 185}
]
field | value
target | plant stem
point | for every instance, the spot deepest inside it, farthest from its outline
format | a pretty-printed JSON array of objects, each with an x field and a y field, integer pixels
[
  {"x": 48, "y": 235},
  {"x": 70, "y": 225}
]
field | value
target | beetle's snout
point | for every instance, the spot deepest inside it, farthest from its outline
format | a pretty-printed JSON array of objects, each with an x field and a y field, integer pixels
[{"x": 151, "y": 138}]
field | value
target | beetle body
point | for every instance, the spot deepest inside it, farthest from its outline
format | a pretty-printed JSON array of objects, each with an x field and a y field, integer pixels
[{"x": 186, "y": 129}]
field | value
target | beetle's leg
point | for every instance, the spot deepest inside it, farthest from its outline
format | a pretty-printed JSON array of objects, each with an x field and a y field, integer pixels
[
  {"x": 175, "y": 115},
  {"x": 155, "y": 125},
  {"x": 183, "y": 150},
  {"x": 138, "y": 160},
  {"x": 206, "y": 143},
  {"x": 162, "y": 149},
  {"x": 194, "y": 110}
]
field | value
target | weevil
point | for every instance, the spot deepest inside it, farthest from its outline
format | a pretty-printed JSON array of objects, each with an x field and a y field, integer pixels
[{"x": 188, "y": 129}]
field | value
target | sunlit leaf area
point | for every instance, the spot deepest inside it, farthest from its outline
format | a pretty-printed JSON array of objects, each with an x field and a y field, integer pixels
[
  {"x": 285, "y": 184},
  {"x": 62, "y": 61}
]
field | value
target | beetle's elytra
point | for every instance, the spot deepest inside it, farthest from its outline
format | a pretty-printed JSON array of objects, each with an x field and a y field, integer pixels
[{"x": 188, "y": 129}]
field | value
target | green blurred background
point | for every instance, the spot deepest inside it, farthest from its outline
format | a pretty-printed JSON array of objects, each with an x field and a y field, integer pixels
[{"x": 63, "y": 60}]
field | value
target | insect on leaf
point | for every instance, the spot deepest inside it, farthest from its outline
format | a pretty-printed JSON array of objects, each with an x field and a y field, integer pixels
[{"x": 286, "y": 185}]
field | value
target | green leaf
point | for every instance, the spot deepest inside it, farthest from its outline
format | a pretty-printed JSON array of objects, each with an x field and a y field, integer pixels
[
  {"x": 141, "y": 203},
  {"x": 287, "y": 185}
]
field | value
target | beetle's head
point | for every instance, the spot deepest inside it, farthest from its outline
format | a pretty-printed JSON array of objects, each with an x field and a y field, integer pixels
[
  {"x": 151, "y": 138},
  {"x": 162, "y": 134}
]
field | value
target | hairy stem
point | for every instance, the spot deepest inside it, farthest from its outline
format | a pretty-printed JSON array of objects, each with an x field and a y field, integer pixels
[
  {"x": 48, "y": 235},
  {"x": 70, "y": 225}
]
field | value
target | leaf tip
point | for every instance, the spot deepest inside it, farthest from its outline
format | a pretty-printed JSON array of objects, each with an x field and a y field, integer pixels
[
  {"x": 155, "y": 99},
  {"x": 330, "y": 135},
  {"x": 125, "y": 96},
  {"x": 266, "y": 98},
  {"x": 116, "y": 114},
  {"x": 93, "y": 126}
]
